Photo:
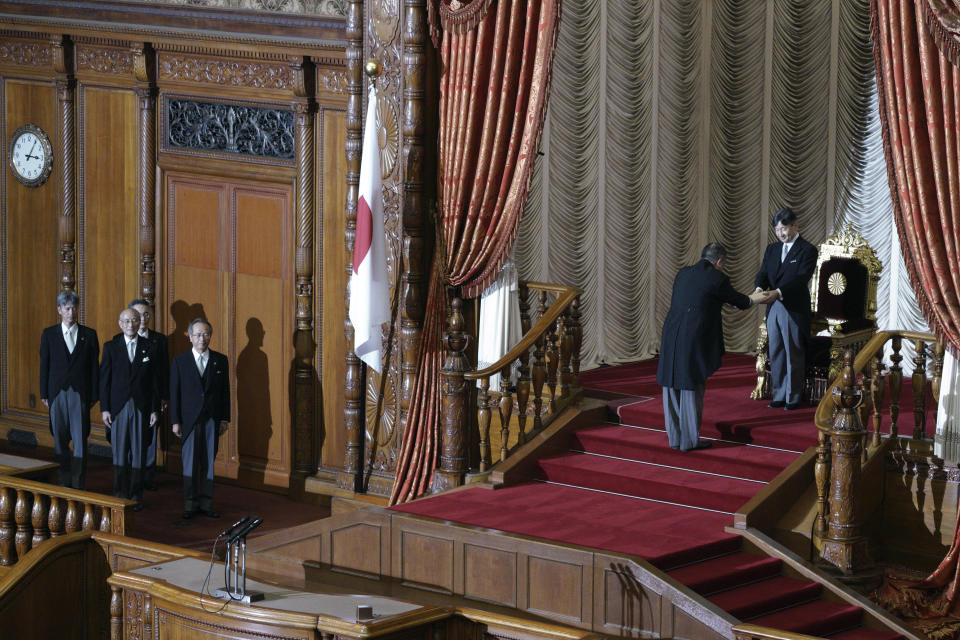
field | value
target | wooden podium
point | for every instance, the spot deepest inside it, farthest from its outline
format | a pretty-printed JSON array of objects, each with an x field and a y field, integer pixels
[{"x": 170, "y": 601}]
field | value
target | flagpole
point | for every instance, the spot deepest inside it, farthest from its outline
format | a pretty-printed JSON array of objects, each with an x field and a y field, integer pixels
[{"x": 372, "y": 68}]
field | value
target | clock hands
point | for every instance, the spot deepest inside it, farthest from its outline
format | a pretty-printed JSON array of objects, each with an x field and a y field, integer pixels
[{"x": 31, "y": 151}]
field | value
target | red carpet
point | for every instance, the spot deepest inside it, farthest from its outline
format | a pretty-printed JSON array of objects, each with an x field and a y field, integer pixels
[{"x": 621, "y": 488}]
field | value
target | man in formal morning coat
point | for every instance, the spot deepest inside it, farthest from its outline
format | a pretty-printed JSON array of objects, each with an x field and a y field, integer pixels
[
  {"x": 69, "y": 355},
  {"x": 159, "y": 342},
  {"x": 691, "y": 344},
  {"x": 786, "y": 270},
  {"x": 130, "y": 403},
  {"x": 199, "y": 414}
]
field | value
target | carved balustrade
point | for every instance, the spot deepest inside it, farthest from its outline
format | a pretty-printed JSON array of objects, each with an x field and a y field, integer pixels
[
  {"x": 862, "y": 403},
  {"x": 31, "y": 512},
  {"x": 547, "y": 365}
]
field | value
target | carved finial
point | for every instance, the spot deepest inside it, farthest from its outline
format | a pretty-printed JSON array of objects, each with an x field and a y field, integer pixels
[{"x": 373, "y": 69}]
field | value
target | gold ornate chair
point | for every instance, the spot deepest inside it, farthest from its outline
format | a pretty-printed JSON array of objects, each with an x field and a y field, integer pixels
[{"x": 844, "y": 304}]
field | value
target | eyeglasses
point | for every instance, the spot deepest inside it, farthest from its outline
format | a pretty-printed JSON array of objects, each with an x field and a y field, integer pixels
[{"x": 129, "y": 322}]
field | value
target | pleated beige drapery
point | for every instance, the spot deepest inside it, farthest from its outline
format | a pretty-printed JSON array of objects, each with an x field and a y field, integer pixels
[{"x": 496, "y": 61}]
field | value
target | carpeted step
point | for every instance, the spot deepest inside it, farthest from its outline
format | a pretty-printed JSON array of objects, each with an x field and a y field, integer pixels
[
  {"x": 649, "y": 481},
  {"x": 651, "y": 445},
  {"x": 865, "y": 633},
  {"x": 665, "y": 535},
  {"x": 726, "y": 572},
  {"x": 768, "y": 595},
  {"x": 817, "y": 618}
]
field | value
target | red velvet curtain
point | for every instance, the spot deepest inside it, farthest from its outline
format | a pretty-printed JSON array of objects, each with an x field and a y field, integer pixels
[
  {"x": 916, "y": 47},
  {"x": 496, "y": 58}
]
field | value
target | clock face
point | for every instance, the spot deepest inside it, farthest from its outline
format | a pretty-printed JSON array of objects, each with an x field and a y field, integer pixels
[{"x": 31, "y": 156}]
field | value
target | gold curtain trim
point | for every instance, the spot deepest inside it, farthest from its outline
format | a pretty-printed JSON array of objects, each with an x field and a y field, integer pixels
[
  {"x": 942, "y": 21},
  {"x": 456, "y": 17}
]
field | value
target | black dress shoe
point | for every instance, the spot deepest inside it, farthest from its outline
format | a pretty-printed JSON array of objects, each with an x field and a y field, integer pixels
[
  {"x": 188, "y": 514},
  {"x": 792, "y": 406},
  {"x": 776, "y": 404},
  {"x": 210, "y": 513},
  {"x": 703, "y": 444}
]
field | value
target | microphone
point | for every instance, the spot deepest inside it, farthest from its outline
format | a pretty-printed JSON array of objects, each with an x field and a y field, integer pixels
[
  {"x": 244, "y": 530},
  {"x": 236, "y": 525}
]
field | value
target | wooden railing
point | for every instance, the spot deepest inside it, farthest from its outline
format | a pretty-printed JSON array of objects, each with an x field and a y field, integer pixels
[
  {"x": 855, "y": 399},
  {"x": 548, "y": 380},
  {"x": 31, "y": 512}
]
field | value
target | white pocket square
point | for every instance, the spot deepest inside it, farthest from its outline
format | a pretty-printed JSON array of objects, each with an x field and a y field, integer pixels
[
  {"x": 793, "y": 262},
  {"x": 145, "y": 359}
]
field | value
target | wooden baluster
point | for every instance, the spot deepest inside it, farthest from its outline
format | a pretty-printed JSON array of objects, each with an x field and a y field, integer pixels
[
  {"x": 541, "y": 303},
  {"x": 73, "y": 517},
  {"x": 920, "y": 390},
  {"x": 39, "y": 518},
  {"x": 8, "y": 553},
  {"x": 523, "y": 395},
  {"x": 577, "y": 331},
  {"x": 539, "y": 375},
  {"x": 938, "y": 351},
  {"x": 895, "y": 378},
  {"x": 483, "y": 422},
  {"x": 89, "y": 522},
  {"x": 105, "y": 519},
  {"x": 843, "y": 547},
  {"x": 116, "y": 613},
  {"x": 55, "y": 517},
  {"x": 553, "y": 362},
  {"x": 453, "y": 412},
  {"x": 22, "y": 514},
  {"x": 876, "y": 395},
  {"x": 524, "y": 300},
  {"x": 147, "y": 617},
  {"x": 566, "y": 348},
  {"x": 821, "y": 474},
  {"x": 506, "y": 411},
  {"x": 863, "y": 386}
]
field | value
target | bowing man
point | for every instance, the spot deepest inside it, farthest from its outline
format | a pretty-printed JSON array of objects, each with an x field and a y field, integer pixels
[
  {"x": 130, "y": 402},
  {"x": 68, "y": 387},
  {"x": 199, "y": 415}
]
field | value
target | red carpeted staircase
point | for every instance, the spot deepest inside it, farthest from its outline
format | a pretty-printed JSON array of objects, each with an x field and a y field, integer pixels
[{"x": 620, "y": 487}]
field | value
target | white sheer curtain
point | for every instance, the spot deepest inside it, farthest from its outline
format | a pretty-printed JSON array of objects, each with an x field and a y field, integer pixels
[{"x": 499, "y": 320}]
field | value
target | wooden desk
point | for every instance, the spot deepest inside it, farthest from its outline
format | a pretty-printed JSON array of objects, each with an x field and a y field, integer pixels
[
  {"x": 168, "y": 600},
  {"x": 29, "y": 468}
]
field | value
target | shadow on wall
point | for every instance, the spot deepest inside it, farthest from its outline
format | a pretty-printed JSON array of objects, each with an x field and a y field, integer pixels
[{"x": 254, "y": 417}]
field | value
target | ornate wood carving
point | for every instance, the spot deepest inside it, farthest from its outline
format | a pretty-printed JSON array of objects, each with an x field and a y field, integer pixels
[
  {"x": 66, "y": 86},
  {"x": 133, "y": 614},
  {"x": 332, "y": 81},
  {"x": 194, "y": 68},
  {"x": 413, "y": 280},
  {"x": 353, "y": 391},
  {"x": 455, "y": 396},
  {"x": 844, "y": 549},
  {"x": 146, "y": 170},
  {"x": 26, "y": 53},
  {"x": 107, "y": 60},
  {"x": 304, "y": 456}
]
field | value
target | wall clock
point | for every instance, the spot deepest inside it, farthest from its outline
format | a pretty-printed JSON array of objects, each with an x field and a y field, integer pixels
[{"x": 31, "y": 155}]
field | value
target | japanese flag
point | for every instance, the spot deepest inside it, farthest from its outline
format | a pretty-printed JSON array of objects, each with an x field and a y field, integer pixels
[{"x": 369, "y": 295}]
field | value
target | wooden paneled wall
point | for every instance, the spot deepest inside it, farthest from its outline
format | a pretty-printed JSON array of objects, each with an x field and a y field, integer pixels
[{"x": 246, "y": 240}]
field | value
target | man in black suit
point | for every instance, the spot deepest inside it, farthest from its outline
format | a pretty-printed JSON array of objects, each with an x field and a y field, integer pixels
[
  {"x": 786, "y": 270},
  {"x": 691, "y": 343},
  {"x": 69, "y": 353},
  {"x": 199, "y": 415},
  {"x": 159, "y": 342},
  {"x": 130, "y": 403}
]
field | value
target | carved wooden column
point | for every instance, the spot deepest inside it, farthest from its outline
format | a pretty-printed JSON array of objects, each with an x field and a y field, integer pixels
[
  {"x": 455, "y": 399},
  {"x": 844, "y": 548},
  {"x": 66, "y": 86},
  {"x": 304, "y": 342},
  {"x": 414, "y": 211},
  {"x": 353, "y": 384},
  {"x": 146, "y": 93}
]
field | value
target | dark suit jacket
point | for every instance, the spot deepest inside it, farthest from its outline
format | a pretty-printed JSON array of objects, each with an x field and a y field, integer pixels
[
  {"x": 691, "y": 344},
  {"x": 792, "y": 277},
  {"x": 193, "y": 399},
  {"x": 159, "y": 342},
  {"x": 60, "y": 369},
  {"x": 121, "y": 379}
]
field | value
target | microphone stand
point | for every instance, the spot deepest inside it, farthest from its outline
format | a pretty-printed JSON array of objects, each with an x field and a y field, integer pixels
[{"x": 236, "y": 588}]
